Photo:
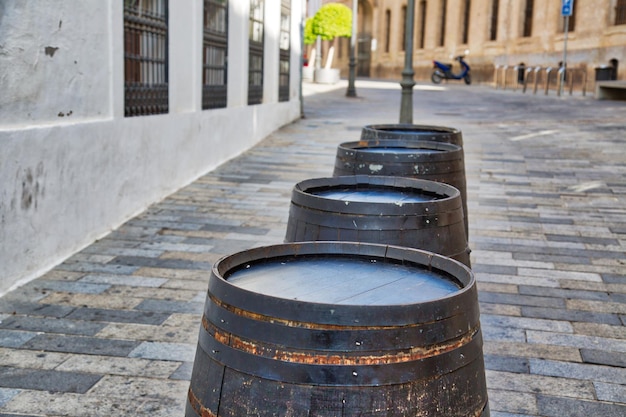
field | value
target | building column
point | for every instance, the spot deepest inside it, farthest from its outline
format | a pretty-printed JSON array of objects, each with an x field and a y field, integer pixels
[
  {"x": 271, "y": 50},
  {"x": 238, "y": 45},
  {"x": 185, "y": 56}
]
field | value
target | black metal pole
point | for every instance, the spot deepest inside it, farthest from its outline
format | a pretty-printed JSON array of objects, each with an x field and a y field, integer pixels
[
  {"x": 300, "y": 95},
  {"x": 407, "y": 83},
  {"x": 351, "y": 91}
]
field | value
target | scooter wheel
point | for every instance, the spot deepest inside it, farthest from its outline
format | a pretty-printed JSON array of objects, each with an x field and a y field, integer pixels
[
  {"x": 467, "y": 79},
  {"x": 436, "y": 77}
]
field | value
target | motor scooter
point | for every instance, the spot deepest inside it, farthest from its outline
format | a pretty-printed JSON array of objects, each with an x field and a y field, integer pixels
[{"x": 442, "y": 71}]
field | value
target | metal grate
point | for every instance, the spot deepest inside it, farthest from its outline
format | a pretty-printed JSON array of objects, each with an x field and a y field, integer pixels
[
  {"x": 285, "y": 51},
  {"x": 620, "y": 12},
  {"x": 145, "y": 57},
  {"x": 422, "y": 31},
  {"x": 442, "y": 27},
  {"x": 493, "y": 29},
  {"x": 466, "y": 21},
  {"x": 255, "y": 52},
  {"x": 528, "y": 19},
  {"x": 215, "y": 54}
]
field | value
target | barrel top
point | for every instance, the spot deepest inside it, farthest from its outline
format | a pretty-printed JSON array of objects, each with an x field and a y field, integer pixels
[
  {"x": 399, "y": 145},
  {"x": 363, "y": 194},
  {"x": 396, "y": 149},
  {"x": 411, "y": 128},
  {"x": 413, "y": 132},
  {"x": 343, "y": 280},
  {"x": 222, "y": 284},
  {"x": 375, "y": 195}
]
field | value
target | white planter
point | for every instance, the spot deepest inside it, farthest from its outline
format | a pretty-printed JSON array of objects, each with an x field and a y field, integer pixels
[
  {"x": 327, "y": 75},
  {"x": 307, "y": 73}
]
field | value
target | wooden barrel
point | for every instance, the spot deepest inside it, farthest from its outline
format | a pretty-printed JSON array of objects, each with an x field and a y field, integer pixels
[
  {"x": 339, "y": 329},
  {"x": 399, "y": 211},
  {"x": 406, "y": 131},
  {"x": 427, "y": 160}
]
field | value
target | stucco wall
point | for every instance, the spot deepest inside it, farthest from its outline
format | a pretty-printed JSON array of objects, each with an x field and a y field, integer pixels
[{"x": 72, "y": 167}]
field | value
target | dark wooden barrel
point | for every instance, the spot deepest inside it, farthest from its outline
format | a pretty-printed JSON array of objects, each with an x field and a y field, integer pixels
[
  {"x": 321, "y": 329},
  {"x": 399, "y": 211},
  {"x": 406, "y": 131},
  {"x": 427, "y": 160}
]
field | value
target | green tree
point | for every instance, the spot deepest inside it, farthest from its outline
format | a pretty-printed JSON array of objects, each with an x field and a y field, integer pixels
[
  {"x": 309, "y": 37},
  {"x": 332, "y": 20}
]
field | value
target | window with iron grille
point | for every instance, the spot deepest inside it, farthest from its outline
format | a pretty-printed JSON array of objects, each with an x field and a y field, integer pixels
[
  {"x": 214, "y": 54},
  {"x": 528, "y": 19},
  {"x": 285, "y": 50},
  {"x": 466, "y": 21},
  {"x": 620, "y": 12},
  {"x": 255, "y": 53},
  {"x": 387, "y": 30},
  {"x": 493, "y": 29},
  {"x": 145, "y": 57},
  {"x": 422, "y": 31},
  {"x": 442, "y": 33}
]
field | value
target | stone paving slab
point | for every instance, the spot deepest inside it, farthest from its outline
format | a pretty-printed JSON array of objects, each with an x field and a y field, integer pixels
[{"x": 112, "y": 331}]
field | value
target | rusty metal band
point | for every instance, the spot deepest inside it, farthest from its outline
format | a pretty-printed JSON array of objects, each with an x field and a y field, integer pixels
[
  {"x": 279, "y": 353},
  {"x": 333, "y": 337},
  {"x": 197, "y": 406},
  {"x": 466, "y": 358},
  {"x": 289, "y": 323},
  {"x": 470, "y": 315}
]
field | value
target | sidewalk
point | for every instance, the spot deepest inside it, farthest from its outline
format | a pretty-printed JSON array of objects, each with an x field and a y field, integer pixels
[{"x": 113, "y": 330}]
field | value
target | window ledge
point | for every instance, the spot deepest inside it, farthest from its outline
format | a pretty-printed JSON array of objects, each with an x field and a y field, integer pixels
[{"x": 615, "y": 30}]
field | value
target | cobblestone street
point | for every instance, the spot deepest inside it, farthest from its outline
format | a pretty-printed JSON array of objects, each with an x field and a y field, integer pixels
[{"x": 112, "y": 331}]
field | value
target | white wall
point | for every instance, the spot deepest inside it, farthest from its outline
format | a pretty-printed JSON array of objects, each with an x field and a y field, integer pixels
[
  {"x": 72, "y": 167},
  {"x": 55, "y": 61}
]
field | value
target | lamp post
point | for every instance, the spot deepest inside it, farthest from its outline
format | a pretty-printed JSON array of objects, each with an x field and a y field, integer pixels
[
  {"x": 407, "y": 83},
  {"x": 351, "y": 91}
]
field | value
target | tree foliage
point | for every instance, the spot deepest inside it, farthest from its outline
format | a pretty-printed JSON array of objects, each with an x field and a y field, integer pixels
[
  {"x": 331, "y": 20},
  {"x": 309, "y": 37}
]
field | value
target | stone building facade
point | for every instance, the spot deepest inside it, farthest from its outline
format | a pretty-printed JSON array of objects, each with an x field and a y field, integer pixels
[{"x": 495, "y": 32}]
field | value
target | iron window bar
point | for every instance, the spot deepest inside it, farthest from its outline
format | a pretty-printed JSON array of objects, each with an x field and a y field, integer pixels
[
  {"x": 285, "y": 51},
  {"x": 255, "y": 52},
  {"x": 215, "y": 54},
  {"x": 145, "y": 57}
]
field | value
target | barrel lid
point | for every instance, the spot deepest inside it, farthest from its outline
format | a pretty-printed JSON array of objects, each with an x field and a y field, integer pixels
[
  {"x": 390, "y": 285},
  {"x": 412, "y": 131},
  {"x": 417, "y": 151},
  {"x": 364, "y": 194},
  {"x": 411, "y": 128},
  {"x": 374, "y": 195},
  {"x": 338, "y": 279}
]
